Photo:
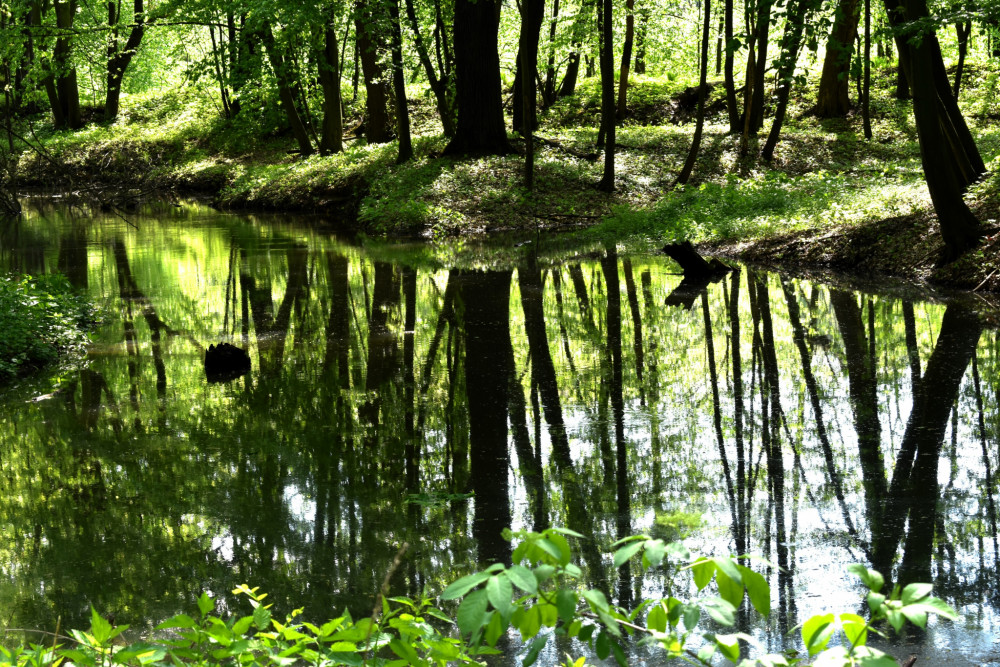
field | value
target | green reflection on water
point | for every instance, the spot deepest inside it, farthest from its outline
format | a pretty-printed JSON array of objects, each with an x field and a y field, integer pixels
[{"x": 773, "y": 417}]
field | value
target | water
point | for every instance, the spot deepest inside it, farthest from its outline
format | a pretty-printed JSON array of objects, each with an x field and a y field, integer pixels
[{"x": 810, "y": 425}]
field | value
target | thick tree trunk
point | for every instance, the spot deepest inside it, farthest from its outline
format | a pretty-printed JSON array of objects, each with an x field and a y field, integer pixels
[
  {"x": 832, "y": 99},
  {"x": 61, "y": 85},
  {"x": 399, "y": 87},
  {"x": 378, "y": 121},
  {"x": 119, "y": 59},
  {"x": 480, "y": 129},
  {"x": 332, "y": 140}
]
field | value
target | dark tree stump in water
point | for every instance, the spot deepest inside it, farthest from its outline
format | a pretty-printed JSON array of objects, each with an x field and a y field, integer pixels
[
  {"x": 225, "y": 362},
  {"x": 698, "y": 274}
]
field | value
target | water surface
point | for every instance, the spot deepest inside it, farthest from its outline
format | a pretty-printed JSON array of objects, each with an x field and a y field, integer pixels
[{"x": 394, "y": 399}]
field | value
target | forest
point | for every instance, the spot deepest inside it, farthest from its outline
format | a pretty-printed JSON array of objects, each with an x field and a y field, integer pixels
[
  {"x": 439, "y": 119},
  {"x": 478, "y": 408}
]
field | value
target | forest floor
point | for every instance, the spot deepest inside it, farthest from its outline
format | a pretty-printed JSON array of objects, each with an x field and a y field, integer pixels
[{"x": 828, "y": 199}]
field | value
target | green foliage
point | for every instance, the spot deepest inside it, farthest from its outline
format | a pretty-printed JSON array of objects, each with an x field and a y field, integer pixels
[
  {"x": 539, "y": 596},
  {"x": 41, "y": 320}
]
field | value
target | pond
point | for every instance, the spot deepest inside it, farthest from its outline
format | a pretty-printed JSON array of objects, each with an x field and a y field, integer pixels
[{"x": 393, "y": 398}]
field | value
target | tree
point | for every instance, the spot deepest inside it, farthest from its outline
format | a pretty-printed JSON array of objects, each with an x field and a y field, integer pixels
[
  {"x": 607, "y": 50},
  {"x": 702, "y": 94},
  {"x": 119, "y": 56},
  {"x": 480, "y": 127},
  {"x": 832, "y": 99}
]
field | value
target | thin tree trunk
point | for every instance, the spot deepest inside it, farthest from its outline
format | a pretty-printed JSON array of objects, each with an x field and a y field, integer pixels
[
  {"x": 832, "y": 98},
  {"x": 399, "y": 87},
  {"x": 329, "y": 77},
  {"x": 607, "y": 183},
  {"x": 730, "y": 80},
  {"x": 963, "y": 31},
  {"x": 285, "y": 91},
  {"x": 866, "y": 89},
  {"x": 702, "y": 94},
  {"x": 626, "y": 59},
  {"x": 790, "y": 44}
]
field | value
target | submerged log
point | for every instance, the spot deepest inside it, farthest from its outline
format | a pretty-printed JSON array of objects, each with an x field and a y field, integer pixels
[
  {"x": 225, "y": 362},
  {"x": 698, "y": 273}
]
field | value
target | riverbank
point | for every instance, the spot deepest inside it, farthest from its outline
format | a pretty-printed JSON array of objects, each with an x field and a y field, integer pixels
[{"x": 828, "y": 198}]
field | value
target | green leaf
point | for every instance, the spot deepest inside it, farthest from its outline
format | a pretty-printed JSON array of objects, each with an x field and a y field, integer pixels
[
  {"x": 530, "y": 623},
  {"x": 729, "y": 645},
  {"x": 730, "y": 590},
  {"x": 205, "y": 604},
  {"x": 720, "y": 610},
  {"x": 757, "y": 590},
  {"x": 499, "y": 591},
  {"x": 471, "y": 614},
  {"x": 933, "y": 605},
  {"x": 596, "y": 599},
  {"x": 657, "y": 618},
  {"x": 534, "y": 649},
  {"x": 462, "y": 586},
  {"x": 916, "y": 592},
  {"x": 624, "y": 554},
  {"x": 729, "y": 566},
  {"x": 654, "y": 553},
  {"x": 855, "y": 629},
  {"x": 241, "y": 626},
  {"x": 692, "y": 614},
  {"x": 523, "y": 578},
  {"x": 262, "y": 617},
  {"x": 875, "y": 601},
  {"x": 872, "y": 579},
  {"x": 895, "y": 618},
  {"x": 678, "y": 551},
  {"x": 602, "y": 645},
  {"x": 495, "y": 629},
  {"x": 404, "y": 651},
  {"x": 99, "y": 628},
  {"x": 816, "y": 632},
  {"x": 619, "y": 654},
  {"x": 566, "y": 604},
  {"x": 702, "y": 569}
]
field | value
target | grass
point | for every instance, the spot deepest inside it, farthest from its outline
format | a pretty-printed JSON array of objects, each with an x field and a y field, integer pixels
[{"x": 824, "y": 174}]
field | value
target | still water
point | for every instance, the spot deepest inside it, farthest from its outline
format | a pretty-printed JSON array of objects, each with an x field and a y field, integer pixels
[{"x": 395, "y": 398}]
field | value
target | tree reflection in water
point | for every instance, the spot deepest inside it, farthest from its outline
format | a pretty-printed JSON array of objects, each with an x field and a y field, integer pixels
[{"x": 774, "y": 417}]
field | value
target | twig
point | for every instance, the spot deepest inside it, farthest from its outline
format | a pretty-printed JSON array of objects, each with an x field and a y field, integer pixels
[
  {"x": 383, "y": 592},
  {"x": 985, "y": 280}
]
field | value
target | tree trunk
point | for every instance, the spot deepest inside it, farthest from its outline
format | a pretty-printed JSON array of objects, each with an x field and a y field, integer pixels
[
  {"x": 119, "y": 59},
  {"x": 285, "y": 90},
  {"x": 332, "y": 140},
  {"x": 702, "y": 94},
  {"x": 963, "y": 31},
  {"x": 480, "y": 129},
  {"x": 866, "y": 88},
  {"x": 832, "y": 99},
  {"x": 532, "y": 14},
  {"x": 640, "y": 39},
  {"x": 607, "y": 46},
  {"x": 549, "y": 88},
  {"x": 626, "y": 59},
  {"x": 62, "y": 88},
  {"x": 730, "y": 80},
  {"x": 378, "y": 121},
  {"x": 439, "y": 85},
  {"x": 399, "y": 87},
  {"x": 790, "y": 43},
  {"x": 756, "y": 119}
]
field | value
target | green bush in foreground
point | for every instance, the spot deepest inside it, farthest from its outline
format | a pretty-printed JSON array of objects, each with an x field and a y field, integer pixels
[
  {"x": 40, "y": 319},
  {"x": 415, "y": 632}
]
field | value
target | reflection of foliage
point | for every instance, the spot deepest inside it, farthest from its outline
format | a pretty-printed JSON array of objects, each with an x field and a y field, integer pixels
[
  {"x": 40, "y": 319},
  {"x": 435, "y": 499}
]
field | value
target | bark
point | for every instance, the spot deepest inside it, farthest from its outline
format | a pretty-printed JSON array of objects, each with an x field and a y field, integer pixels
[
  {"x": 640, "y": 40},
  {"x": 439, "y": 84},
  {"x": 371, "y": 41},
  {"x": 119, "y": 59},
  {"x": 532, "y": 15},
  {"x": 329, "y": 78},
  {"x": 866, "y": 88},
  {"x": 549, "y": 87},
  {"x": 730, "y": 80},
  {"x": 480, "y": 129},
  {"x": 702, "y": 94},
  {"x": 626, "y": 59},
  {"x": 399, "y": 87},
  {"x": 607, "y": 183},
  {"x": 963, "y": 30},
  {"x": 756, "y": 107},
  {"x": 790, "y": 44},
  {"x": 286, "y": 92},
  {"x": 832, "y": 99}
]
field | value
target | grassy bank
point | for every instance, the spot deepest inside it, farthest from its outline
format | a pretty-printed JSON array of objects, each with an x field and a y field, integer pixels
[{"x": 825, "y": 181}]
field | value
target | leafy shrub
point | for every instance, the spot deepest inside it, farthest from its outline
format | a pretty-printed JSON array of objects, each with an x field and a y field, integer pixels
[
  {"x": 550, "y": 601},
  {"x": 41, "y": 319}
]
